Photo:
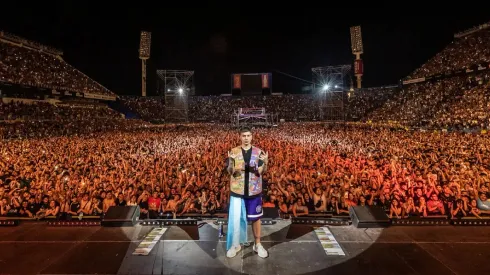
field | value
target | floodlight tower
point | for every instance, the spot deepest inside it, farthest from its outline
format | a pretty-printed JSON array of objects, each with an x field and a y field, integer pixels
[
  {"x": 357, "y": 50},
  {"x": 330, "y": 85},
  {"x": 177, "y": 86},
  {"x": 145, "y": 43}
]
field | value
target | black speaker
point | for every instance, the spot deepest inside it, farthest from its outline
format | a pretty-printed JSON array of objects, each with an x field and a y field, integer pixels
[
  {"x": 270, "y": 212},
  {"x": 368, "y": 217},
  {"x": 121, "y": 216}
]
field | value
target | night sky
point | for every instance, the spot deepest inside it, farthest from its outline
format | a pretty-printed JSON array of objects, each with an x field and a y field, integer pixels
[{"x": 237, "y": 37}]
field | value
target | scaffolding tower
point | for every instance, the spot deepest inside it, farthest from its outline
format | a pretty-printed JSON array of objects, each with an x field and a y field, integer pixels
[
  {"x": 176, "y": 86},
  {"x": 331, "y": 84}
]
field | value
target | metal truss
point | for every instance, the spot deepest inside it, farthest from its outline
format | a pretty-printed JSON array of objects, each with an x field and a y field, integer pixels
[
  {"x": 176, "y": 86},
  {"x": 330, "y": 84}
]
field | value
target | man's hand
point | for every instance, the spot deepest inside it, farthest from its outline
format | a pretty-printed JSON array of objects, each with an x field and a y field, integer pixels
[
  {"x": 231, "y": 164},
  {"x": 264, "y": 156}
]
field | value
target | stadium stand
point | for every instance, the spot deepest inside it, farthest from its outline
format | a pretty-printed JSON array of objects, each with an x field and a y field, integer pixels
[
  {"x": 59, "y": 161},
  {"x": 30, "y": 64}
]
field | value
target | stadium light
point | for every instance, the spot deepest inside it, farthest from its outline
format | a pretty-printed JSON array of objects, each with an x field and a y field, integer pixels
[
  {"x": 145, "y": 45},
  {"x": 144, "y": 54},
  {"x": 181, "y": 90},
  {"x": 325, "y": 87},
  {"x": 356, "y": 40}
]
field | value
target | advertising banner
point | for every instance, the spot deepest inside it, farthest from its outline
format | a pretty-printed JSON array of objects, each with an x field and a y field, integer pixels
[{"x": 358, "y": 67}]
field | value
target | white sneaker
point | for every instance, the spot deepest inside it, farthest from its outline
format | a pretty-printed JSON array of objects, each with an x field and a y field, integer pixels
[
  {"x": 258, "y": 248},
  {"x": 233, "y": 251}
]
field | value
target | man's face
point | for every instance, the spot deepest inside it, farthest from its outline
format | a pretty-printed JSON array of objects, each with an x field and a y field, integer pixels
[
  {"x": 434, "y": 197},
  {"x": 246, "y": 138},
  {"x": 483, "y": 197}
]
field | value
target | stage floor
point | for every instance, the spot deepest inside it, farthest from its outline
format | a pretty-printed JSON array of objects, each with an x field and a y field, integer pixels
[{"x": 34, "y": 248}]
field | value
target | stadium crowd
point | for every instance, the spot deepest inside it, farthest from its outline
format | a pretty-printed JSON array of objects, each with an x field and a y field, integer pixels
[
  {"x": 312, "y": 168},
  {"x": 30, "y": 67},
  {"x": 18, "y": 110},
  {"x": 147, "y": 108},
  {"x": 82, "y": 163},
  {"x": 416, "y": 103},
  {"x": 222, "y": 108},
  {"x": 304, "y": 107},
  {"x": 363, "y": 101},
  {"x": 469, "y": 109},
  {"x": 454, "y": 103},
  {"x": 460, "y": 54}
]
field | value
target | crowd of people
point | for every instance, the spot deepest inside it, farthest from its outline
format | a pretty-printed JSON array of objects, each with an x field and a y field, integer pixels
[
  {"x": 313, "y": 167},
  {"x": 65, "y": 160},
  {"x": 456, "y": 103},
  {"x": 221, "y": 108},
  {"x": 470, "y": 109},
  {"x": 147, "y": 108},
  {"x": 363, "y": 101},
  {"x": 19, "y": 110},
  {"x": 460, "y": 54},
  {"x": 415, "y": 104},
  {"x": 30, "y": 67},
  {"x": 293, "y": 107},
  {"x": 32, "y": 44}
]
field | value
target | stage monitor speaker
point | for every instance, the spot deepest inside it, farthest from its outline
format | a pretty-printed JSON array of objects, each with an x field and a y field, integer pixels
[
  {"x": 118, "y": 216},
  {"x": 270, "y": 212},
  {"x": 368, "y": 217}
]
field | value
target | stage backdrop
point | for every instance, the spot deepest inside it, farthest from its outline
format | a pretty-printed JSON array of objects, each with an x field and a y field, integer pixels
[{"x": 251, "y": 84}]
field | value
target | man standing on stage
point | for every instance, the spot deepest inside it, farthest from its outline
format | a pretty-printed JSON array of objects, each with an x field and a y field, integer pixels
[{"x": 246, "y": 164}]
